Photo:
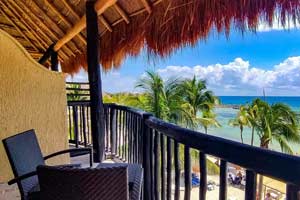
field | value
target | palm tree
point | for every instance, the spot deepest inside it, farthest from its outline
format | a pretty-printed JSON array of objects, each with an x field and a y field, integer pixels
[
  {"x": 208, "y": 119},
  {"x": 252, "y": 116},
  {"x": 175, "y": 108},
  {"x": 153, "y": 87},
  {"x": 241, "y": 120},
  {"x": 199, "y": 99},
  {"x": 275, "y": 122},
  {"x": 163, "y": 99}
]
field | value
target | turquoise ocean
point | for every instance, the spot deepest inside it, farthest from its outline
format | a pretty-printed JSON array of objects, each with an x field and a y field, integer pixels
[{"x": 229, "y": 111}]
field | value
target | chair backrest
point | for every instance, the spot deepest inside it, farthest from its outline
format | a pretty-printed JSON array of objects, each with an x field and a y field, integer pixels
[
  {"x": 58, "y": 183},
  {"x": 24, "y": 155}
]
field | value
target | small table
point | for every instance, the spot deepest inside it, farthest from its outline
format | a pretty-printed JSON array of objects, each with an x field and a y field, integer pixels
[{"x": 135, "y": 177}]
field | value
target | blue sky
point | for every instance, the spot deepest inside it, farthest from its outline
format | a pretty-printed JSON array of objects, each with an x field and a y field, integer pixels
[{"x": 240, "y": 65}]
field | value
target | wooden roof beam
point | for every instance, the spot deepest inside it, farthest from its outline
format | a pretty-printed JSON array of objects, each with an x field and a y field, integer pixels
[
  {"x": 122, "y": 13},
  {"x": 65, "y": 20},
  {"x": 147, "y": 6},
  {"x": 36, "y": 28},
  {"x": 100, "y": 6},
  {"x": 71, "y": 9},
  {"x": 74, "y": 13},
  {"x": 32, "y": 16},
  {"x": 19, "y": 30},
  {"x": 105, "y": 23},
  {"x": 41, "y": 43},
  {"x": 27, "y": 27}
]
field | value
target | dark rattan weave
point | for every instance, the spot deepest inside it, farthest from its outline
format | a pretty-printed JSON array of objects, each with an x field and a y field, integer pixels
[
  {"x": 83, "y": 184},
  {"x": 135, "y": 178}
]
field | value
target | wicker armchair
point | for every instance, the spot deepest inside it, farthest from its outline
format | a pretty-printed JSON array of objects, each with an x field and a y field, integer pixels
[
  {"x": 57, "y": 183},
  {"x": 25, "y": 155}
]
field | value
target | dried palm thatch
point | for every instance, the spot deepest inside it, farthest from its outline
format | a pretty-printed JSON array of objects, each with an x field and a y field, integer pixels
[{"x": 127, "y": 27}]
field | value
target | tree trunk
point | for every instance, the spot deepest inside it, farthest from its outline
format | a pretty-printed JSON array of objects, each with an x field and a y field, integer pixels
[
  {"x": 205, "y": 128},
  {"x": 252, "y": 137},
  {"x": 241, "y": 128}
]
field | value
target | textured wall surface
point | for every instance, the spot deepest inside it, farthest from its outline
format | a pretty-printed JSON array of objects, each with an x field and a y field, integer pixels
[{"x": 31, "y": 97}]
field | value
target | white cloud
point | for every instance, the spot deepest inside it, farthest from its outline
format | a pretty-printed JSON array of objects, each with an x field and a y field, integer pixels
[
  {"x": 111, "y": 82},
  {"x": 235, "y": 78},
  {"x": 239, "y": 78}
]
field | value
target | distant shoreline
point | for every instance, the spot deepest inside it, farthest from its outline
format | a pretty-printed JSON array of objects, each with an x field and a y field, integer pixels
[
  {"x": 237, "y": 107},
  {"x": 233, "y": 106}
]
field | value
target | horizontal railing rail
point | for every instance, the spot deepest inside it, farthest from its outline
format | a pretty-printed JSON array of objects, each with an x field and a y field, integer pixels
[
  {"x": 135, "y": 136},
  {"x": 77, "y": 91}
]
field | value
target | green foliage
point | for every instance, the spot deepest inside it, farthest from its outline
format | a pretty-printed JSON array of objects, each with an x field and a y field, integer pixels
[
  {"x": 179, "y": 101},
  {"x": 127, "y": 99},
  {"x": 276, "y": 122},
  {"x": 242, "y": 119},
  {"x": 200, "y": 101},
  {"x": 75, "y": 94},
  {"x": 153, "y": 87},
  {"x": 212, "y": 168}
]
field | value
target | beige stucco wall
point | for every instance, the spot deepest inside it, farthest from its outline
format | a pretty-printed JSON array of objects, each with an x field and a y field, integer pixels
[{"x": 31, "y": 97}]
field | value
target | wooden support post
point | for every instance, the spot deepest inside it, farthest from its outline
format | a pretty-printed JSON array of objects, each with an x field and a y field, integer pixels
[
  {"x": 113, "y": 130},
  {"x": 94, "y": 73},
  {"x": 54, "y": 58},
  {"x": 47, "y": 54},
  {"x": 54, "y": 61}
]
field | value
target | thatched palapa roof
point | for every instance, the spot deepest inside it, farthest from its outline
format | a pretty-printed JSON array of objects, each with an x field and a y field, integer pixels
[{"x": 128, "y": 26}]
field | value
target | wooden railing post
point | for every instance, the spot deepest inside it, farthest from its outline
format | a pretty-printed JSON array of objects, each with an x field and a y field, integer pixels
[
  {"x": 94, "y": 73},
  {"x": 113, "y": 129},
  {"x": 292, "y": 192},
  {"x": 251, "y": 185},
  {"x": 223, "y": 180},
  {"x": 146, "y": 157},
  {"x": 75, "y": 118}
]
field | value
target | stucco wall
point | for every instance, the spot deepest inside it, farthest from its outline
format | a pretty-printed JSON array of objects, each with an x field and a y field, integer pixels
[{"x": 31, "y": 97}]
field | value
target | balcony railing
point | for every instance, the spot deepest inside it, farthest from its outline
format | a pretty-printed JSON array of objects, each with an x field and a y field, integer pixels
[{"x": 135, "y": 136}]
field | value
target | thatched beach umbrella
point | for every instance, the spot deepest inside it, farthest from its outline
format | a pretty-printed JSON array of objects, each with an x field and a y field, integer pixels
[{"x": 128, "y": 26}]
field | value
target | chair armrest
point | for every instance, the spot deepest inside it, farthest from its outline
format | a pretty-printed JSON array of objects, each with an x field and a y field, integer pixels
[
  {"x": 22, "y": 177},
  {"x": 88, "y": 150}
]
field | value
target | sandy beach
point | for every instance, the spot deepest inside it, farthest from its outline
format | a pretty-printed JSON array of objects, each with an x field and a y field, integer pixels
[{"x": 232, "y": 193}]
